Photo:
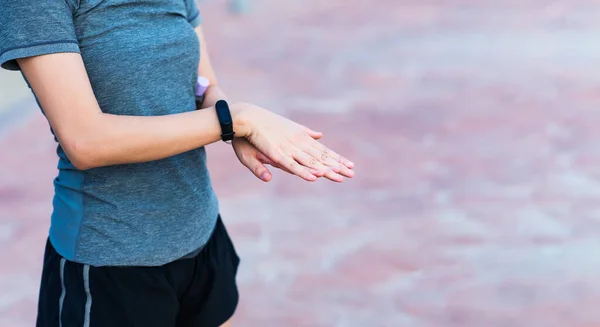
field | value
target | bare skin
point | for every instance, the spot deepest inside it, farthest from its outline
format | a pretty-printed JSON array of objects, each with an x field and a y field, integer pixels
[
  {"x": 330, "y": 165},
  {"x": 320, "y": 161},
  {"x": 91, "y": 138}
]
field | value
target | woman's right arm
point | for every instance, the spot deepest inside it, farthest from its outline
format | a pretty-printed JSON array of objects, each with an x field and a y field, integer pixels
[{"x": 91, "y": 138}]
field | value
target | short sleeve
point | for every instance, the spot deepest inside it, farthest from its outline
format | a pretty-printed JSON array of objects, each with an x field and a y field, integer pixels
[
  {"x": 193, "y": 14},
  {"x": 33, "y": 28}
]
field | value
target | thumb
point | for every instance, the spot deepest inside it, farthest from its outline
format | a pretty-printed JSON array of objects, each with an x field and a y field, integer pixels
[
  {"x": 258, "y": 168},
  {"x": 315, "y": 135}
]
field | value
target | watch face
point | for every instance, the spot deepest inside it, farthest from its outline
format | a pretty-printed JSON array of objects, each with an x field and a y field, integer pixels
[{"x": 223, "y": 112}]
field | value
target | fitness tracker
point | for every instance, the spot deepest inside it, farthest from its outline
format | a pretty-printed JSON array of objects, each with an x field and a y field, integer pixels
[
  {"x": 201, "y": 86},
  {"x": 225, "y": 120}
]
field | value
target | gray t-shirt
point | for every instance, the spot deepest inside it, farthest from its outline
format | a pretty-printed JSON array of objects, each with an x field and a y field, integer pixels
[{"x": 142, "y": 59}]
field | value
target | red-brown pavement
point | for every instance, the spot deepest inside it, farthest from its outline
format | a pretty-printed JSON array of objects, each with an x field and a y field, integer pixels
[{"x": 473, "y": 126}]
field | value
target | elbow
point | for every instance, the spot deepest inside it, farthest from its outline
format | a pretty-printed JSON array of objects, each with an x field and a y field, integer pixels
[
  {"x": 81, "y": 153},
  {"x": 81, "y": 164}
]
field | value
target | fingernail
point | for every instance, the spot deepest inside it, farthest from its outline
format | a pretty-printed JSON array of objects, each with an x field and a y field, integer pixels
[
  {"x": 264, "y": 176},
  {"x": 312, "y": 177}
]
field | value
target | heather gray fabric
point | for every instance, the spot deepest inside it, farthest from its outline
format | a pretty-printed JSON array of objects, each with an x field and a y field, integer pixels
[{"x": 142, "y": 59}]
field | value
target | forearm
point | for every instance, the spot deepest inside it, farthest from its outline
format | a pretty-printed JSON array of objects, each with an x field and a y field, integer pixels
[
  {"x": 205, "y": 69},
  {"x": 205, "y": 66},
  {"x": 112, "y": 139},
  {"x": 139, "y": 139},
  {"x": 91, "y": 138}
]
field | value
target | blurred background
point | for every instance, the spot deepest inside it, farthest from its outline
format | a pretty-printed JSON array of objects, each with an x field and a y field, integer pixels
[{"x": 474, "y": 127}]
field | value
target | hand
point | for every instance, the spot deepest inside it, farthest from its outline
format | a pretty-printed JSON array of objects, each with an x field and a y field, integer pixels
[
  {"x": 286, "y": 145},
  {"x": 255, "y": 160}
]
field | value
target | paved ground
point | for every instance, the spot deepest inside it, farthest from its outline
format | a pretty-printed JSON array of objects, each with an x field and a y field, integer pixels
[{"x": 474, "y": 126}]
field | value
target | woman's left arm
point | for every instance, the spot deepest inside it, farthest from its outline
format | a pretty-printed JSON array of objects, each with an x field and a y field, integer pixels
[
  {"x": 248, "y": 155},
  {"x": 205, "y": 67}
]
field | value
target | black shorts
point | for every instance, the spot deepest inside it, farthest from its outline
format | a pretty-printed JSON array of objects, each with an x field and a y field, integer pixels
[{"x": 195, "y": 292}]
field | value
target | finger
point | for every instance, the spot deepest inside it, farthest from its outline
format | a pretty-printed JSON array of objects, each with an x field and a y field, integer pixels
[
  {"x": 257, "y": 168},
  {"x": 266, "y": 160},
  {"x": 317, "y": 173},
  {"x": 312, "y": 171},
  {"x": 330, "y": 159},
  {"x": 315, "y": 135},
  {"x": 312, "y": 163},
  {"x": 336, "y": 157},
  {"x": 332, "y": 155},
  {"x": 291, "y": 165}
]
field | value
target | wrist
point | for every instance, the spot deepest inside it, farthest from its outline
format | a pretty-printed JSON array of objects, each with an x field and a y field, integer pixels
[
  {"x": 239, "y": 114},
  {"x": 237, "y": 110}
]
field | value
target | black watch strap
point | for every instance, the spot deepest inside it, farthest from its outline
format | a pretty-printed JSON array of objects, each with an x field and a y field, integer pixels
[{"x": 225, "y": 120}]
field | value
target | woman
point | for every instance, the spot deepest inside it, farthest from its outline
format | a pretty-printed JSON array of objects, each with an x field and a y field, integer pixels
[{"x": 135, "y": 236}]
